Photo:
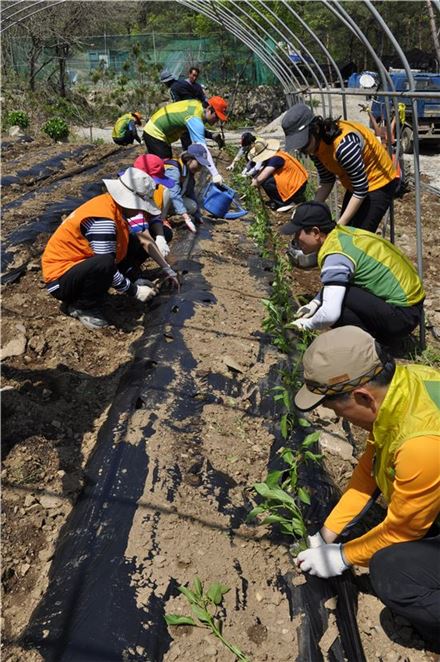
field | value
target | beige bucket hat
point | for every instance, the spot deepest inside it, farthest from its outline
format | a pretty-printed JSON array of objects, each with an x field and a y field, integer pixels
[
  {"x": 263, "y": 149},
  {"x": 133, "y": 190}
]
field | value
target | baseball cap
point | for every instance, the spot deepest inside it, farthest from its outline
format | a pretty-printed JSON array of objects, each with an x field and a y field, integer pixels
[
  {"x": 295, "y": 125},
  {"x": 155, "y": 167},
  {"x": 337, "y": 362},
  {"x": 220, "y": 106},
  {"x": 309, "y": 215},
  {"x": 133, "y": 190},
  {"x": 199, "y": 152}
]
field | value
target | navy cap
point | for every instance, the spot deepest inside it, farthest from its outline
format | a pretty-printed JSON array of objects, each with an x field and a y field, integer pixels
[
  {"x": 199, "y": 153},
  {"x": 309, "y": 215}
]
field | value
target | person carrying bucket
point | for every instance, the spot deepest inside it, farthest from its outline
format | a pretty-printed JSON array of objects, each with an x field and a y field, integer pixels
[
  {"x": 347, "y": 371},
  {"x": 125, "y": 130},
  {"x": 283, "y": 178}
]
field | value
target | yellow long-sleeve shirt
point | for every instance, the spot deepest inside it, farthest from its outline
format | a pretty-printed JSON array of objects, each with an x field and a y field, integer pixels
[{"x": 414, "y": 505}]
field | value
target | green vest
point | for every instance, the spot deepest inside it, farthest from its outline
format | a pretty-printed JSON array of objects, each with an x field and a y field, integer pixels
[
  {"x": 168, "y": 123},
  {"x": 379, "y": 267},
  {"x": 121, "y": 125},
  {"x": 411, "y": 408}
]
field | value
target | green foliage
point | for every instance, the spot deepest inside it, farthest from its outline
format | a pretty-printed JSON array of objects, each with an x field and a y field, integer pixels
[
  {"x": 205, "y": 607},
  {"x": 56, "y": 128},
  {"x": 17, "y": 118}
]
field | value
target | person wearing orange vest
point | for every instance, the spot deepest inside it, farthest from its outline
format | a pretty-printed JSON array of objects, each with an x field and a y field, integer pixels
[
  {"x": 399, "y": 405},
  {"x": 350, "y": 152},
  {"x": 283, "y": 178},
  {"x": 90, "y": 250}
]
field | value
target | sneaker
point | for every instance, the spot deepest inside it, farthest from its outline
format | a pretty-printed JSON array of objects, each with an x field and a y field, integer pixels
[
  {"x": 190, "y": 225},
  {"x": 285, "y": 208},
  {"x": 92, "y": 318}
]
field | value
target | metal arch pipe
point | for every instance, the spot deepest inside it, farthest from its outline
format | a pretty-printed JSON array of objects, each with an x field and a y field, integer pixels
[
  {"x": 412, "y": 84},
  {"x": 11, "y": 25},
  {"x": 237, "y": 31},
  {"x": 301, "y": 45},
  {"x": 282, "y": 65},
  {"x": 325, "y": 51},
  {"x": 300, "y": 73}
]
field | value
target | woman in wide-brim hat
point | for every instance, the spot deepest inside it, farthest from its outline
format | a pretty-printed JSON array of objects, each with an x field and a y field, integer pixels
[{"x": 283, "y": 178}]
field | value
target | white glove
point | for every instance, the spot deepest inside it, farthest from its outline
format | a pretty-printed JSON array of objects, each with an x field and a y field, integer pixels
[
  {"x": 171, "y": 275},
  {"x": 189, "y": 223},
  {"x": 217, "y": 179},
  {"x": 315, "y": 541},
  {"x": 230, "y": 167},
  {"x": 309, "y": 309},
  {"x": 144, "y": 293},
  {"x": 298, "y": 325},
  {"x": 324, "y": 561},
  {"x": 162, "y": 245}
]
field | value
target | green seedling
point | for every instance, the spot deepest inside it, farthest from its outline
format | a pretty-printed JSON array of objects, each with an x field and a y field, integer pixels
[
  {"x": 283, "y": 497},
  {"x": 205, "y": 607}
]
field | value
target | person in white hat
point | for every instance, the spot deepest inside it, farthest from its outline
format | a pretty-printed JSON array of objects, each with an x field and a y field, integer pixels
[
  {"x": 399, "y": 405},
  {"x": 88, "y": 252},
  {"x": 283, "y": 178}
]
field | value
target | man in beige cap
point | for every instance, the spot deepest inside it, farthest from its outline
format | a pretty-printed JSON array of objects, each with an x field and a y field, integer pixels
[
  {"x": 283, "y": 178},
  {"x": 347, "y": 370},
  {"x": 88, "y": 253}
]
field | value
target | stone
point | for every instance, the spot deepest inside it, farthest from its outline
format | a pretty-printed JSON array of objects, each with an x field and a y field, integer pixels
[
  {"x": 15, "y": 131},
  {"x": 45, "y": 554},
  {"x": 50, "y": 501},
  {"x": 335, "y": 445},
  {"x": 29, "y": 500},
  {"x": 15, "y": 347},
  {"x": 23, "y": 568}
]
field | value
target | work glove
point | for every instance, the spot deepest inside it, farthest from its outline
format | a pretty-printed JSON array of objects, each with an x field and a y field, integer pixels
[
  {"x": 189, "y": 223},
  {"x": 217, "y": 179},
  {"x": 144, "y": 293},
  {"x": 297, "y": 325},
  {"x": 315, "y": 541},
  {"x": 162, "y": 245},
  {"x": 171, "y": 275},
  {"x": 324, "y": 561},
  {"x": 308, "y": 310},
  {"x": 218, "y": 138},
  {"x": 231, "y": 166}
]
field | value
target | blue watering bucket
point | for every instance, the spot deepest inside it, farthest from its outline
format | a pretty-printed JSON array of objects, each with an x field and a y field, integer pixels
[{"x": 217, "y": 200}]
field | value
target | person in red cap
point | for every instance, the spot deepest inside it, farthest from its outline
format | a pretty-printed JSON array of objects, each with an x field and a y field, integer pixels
[
  {"x": 168, "y": 124},
  {"x": 125, "y": 129}
]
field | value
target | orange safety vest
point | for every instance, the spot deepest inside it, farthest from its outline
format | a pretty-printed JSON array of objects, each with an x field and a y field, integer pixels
[
  {"x": 68, "y": 247},
  {"x": 378, "y": 164},
  {"x": 290, "y": 177}
]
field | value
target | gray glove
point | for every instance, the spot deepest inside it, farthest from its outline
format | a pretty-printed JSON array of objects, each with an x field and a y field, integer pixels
[{"x": 144, "y": 293}]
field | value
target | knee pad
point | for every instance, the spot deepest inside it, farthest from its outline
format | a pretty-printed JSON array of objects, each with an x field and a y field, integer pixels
[{"x": 191, "y": 206}]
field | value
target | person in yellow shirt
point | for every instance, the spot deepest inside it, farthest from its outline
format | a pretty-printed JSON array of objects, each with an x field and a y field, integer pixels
[{"x": 346, "y": 370}]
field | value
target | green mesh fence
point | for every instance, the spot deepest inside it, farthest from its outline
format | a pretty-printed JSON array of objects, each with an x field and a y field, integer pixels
[{"x": 221, "y": 58}]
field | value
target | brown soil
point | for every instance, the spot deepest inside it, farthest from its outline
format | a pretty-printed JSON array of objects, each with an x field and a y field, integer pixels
[{"x": 58, "y": 384}]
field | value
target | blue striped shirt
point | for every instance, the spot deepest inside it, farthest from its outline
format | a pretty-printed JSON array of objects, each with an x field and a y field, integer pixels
[
  {"x": 349, "y": 157},
  {"x": 101, "y": 235}
]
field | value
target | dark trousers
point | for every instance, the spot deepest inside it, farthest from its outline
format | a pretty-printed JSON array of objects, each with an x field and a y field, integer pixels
[
  {"x": 373, "y": 208},
  {"x": 156, "y": 146},
  {"x": 185, "y": 140},
  {"x": 406, "y": 578},
  {"x": 85, "y": 284},
  {"x": 270, "y": 188},
  {"x": 382, "y": 320}
]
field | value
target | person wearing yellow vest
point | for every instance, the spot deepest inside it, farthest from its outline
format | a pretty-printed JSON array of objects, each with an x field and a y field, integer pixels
[
  {"x": 283, "y": 178},
  {"x": 125, "y": 131},
  {"x": 350, "y": 152},
  {"x": 367, "y": 281},
  {"x": 348, "y": 371},
  {"x": 169, "y": 123},
  {"x": 90, "y": 250}
]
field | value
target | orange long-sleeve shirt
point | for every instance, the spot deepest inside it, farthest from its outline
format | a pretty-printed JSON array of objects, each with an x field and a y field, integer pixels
[{"x": 414, "y": 505}]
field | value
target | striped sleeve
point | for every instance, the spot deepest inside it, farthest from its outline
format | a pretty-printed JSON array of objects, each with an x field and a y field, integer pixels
[
  {"x": 324, "y": 175},
  {"x": 349, "y": 156},
  {"x": 101, "y": 235}
]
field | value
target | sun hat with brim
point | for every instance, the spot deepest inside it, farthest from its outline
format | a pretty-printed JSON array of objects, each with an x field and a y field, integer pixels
[
  {"x": 133, "y": 190},
  {"x": 200, "y": 154},
  {"x": 309, "y": 215},
  {"x": 263, "y": 149},
  {"x": 166, "y": 76},
  {"x": 155, "y": 167},
  {"x": 295, "y": 123},
  {"x": 220, "y": 107},
  {"x": 337, "y": 362}
]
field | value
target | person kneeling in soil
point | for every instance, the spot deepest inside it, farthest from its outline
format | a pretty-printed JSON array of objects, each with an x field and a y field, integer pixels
[
  {"x": 283, "y": 178},
  {"x": 125, "y": 131},
  {"x": 182, "y": 195},
  {"x": 88, "y": 252},
  {"x": 367, "y": 281},
  {"x": 348, "y": 371}
]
